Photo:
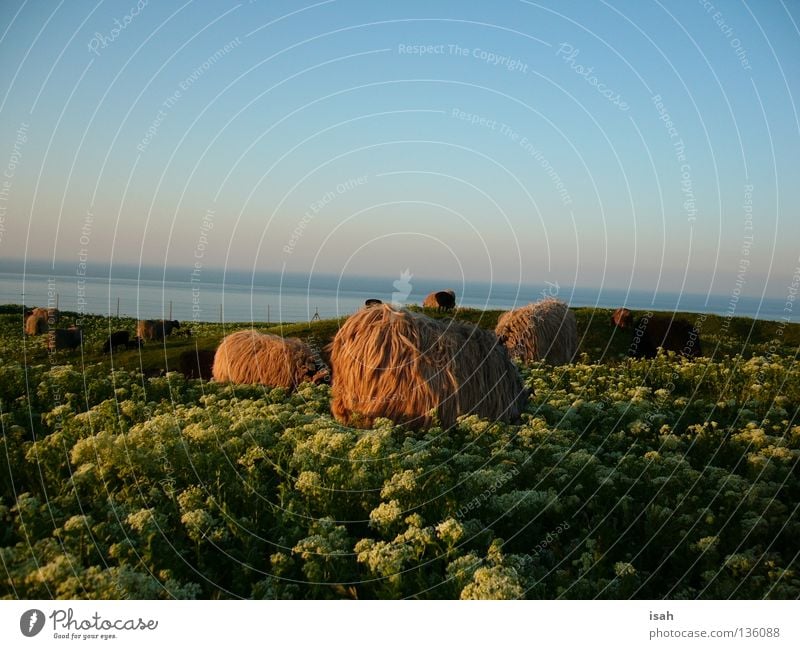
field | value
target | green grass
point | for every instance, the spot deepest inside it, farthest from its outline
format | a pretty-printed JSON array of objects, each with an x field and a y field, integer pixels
[
  {"x": 651, "y": 478},
  {"x": 599, "y": 341}
]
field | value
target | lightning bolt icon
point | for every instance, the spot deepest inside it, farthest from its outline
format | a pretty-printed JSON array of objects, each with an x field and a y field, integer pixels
[{"x": 32, "y": 620}]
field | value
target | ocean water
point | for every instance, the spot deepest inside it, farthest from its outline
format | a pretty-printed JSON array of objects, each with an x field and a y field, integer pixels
[{"x": 270, "y": 297}]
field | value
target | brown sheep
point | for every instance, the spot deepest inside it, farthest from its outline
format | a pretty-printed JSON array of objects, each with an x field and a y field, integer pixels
[
  {"x": 65, "y": 339},
  {"x": 411, "y": 368},
  {"x": 146, "y": 329},
  {"x": 156, "y": 329},
  {"x": 653, "y": 331},
  {"x": 541, "y": 331},
  {"x": 622, "y": 318},
  {"x": 39, "y": 320},
  {"x": 441, "y": 300},
  {"x": 252, "y": 357}
]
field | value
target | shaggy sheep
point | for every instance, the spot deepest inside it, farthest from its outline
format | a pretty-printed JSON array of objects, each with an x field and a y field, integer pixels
[
  {"x": 252, "y": 357},
  {"x": 411, "y": 368},
  {"x": 39, "y": 320},
  {"x": 65, "y": 339},
  {"x": 116, "y": 339},
  {"x": 541, "y": 331},
  {"x": 653, "y": 331},
  {"x": 156, "y": 329},
  {"x": 196, "y": 364},
  {"x": 441, "y": 300}
]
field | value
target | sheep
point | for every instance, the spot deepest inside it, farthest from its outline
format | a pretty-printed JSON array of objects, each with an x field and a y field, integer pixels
[
  {"x": 196, "y": 363},
  {"x": 441, "y": 300},
  {"x": 164, "y": 328},
  {"x": 622, "y": 318},
  {"x": 65, "y": 339},
  {"x": 252, "y": 357},
  {"x": 116, "y": 339},
  {"x": 146, "y": 329},
  {"x": 541, "y": 331},
  {"x": 413, "y": 369},
  {"x": 35, "y": 324},
  {"x": 372, "y": 302},
  {"x": 156, "y": 329},
  {"x": 38, "y": 320},
  {"x": 653, "y": 331}
]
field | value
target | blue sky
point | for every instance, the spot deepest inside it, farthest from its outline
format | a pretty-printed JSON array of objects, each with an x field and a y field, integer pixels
[{"x": 456, "y": 139}]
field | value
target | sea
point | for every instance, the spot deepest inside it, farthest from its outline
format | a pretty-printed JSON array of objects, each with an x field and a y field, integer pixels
[{"x": 238, "y": 296}]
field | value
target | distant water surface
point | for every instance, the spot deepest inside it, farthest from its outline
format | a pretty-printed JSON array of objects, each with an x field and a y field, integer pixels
[{"x": 270, "y": 297}]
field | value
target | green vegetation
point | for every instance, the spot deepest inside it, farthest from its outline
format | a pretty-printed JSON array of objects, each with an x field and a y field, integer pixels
[{"x": 626, "y": 478}]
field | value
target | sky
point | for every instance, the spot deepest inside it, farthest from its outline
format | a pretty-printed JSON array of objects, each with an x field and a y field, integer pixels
[{"x": 643, "y": 145}]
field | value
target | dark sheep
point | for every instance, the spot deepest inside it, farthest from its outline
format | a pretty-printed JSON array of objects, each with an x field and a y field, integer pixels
[
  {"x": 196, "y": 364},
  {"x": 653, "y": 331},
  {"x": 373, "y": 302},
  {"x": 441, "y": 300},
  {"x": 65, "y": 339},
  {"x": 166, "y": 326},
  {"x": 115, "y": 340}
]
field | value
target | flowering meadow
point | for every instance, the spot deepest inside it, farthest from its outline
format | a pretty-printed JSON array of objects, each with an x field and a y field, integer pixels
[{"x": 661, "y": 478}]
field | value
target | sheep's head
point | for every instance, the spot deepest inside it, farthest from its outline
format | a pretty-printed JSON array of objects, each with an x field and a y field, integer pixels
[{"x": 622, "y": 318}]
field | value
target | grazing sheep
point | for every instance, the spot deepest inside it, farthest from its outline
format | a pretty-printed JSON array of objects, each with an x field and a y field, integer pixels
[
  {"x": 441, "y": 300},
  {"x": 65, "y": 339},
  {"x": 372, "y": 302},
  {"x": 35, "y": 323},
  {"x": 38, "y": 320},
  {"x": 653, "y": 331},
  {"x": 196, "y": 363},
  {"x": 164, "y": 328},
  {"x": 156, "y": 329},
  {"x": 541, "y": 331},
  {"x": 117, "y": 339},
  {"x": 411, "y": 368},
  {"x": 622, "y": 318},
  {"x": 146, "y": 329},
  {"x": 252, "y": 357}
]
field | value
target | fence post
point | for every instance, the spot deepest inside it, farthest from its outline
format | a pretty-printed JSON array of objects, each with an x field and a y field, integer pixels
[{"x": 117, "y": 308}]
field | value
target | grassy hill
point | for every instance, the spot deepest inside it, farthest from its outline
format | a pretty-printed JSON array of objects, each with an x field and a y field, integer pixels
[{"x": 599, "y": 341}]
